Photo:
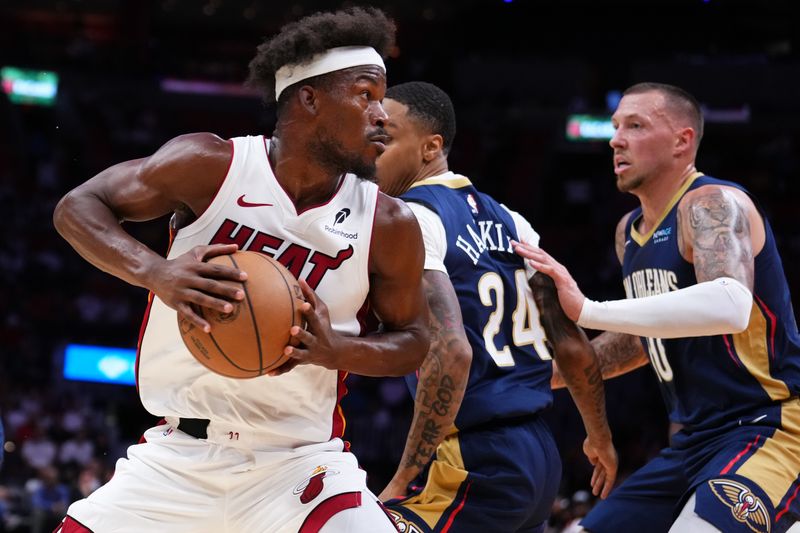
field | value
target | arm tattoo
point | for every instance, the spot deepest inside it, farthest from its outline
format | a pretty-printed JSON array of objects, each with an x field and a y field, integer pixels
[
  {"x": 719, "y": 234},
  {"x": 442, "y": 377},
  {"x": 618, "y": 353},
  {"x": 577, "y": 362}
]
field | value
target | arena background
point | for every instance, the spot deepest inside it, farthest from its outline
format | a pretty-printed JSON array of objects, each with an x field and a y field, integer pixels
[{"x": 133, "y": 74}]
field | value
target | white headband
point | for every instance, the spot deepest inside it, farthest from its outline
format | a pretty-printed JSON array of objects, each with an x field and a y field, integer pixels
[{"x": 328, "y": 61}]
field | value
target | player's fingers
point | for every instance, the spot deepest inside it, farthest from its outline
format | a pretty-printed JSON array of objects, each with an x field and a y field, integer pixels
[
  {"x": 544, "y": 268},
  {"x": 220, "y": 271},
  {"x": 598, "y": 482},
  {"x": 204, "y": 300},
  {"x": 308, "y": 292},
  {"x": 595, "y": 473},
  {"x": 229, "y": 291},
  {"x": 185, "y": 312},
  {"x": 608, "y": 485},
  {"x": 212, "y": 250},
  {"x": 299, "y": 335}
]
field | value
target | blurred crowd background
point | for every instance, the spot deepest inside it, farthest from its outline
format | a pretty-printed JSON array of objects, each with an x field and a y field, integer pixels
[{"x": 133, "y": 74}]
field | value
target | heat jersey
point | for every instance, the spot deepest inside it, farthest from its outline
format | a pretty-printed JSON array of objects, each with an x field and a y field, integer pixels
[
  {"x": 708, "y": 382},
  {"x": 327, "y": 245},
  {"x": 511, "y": 365}
]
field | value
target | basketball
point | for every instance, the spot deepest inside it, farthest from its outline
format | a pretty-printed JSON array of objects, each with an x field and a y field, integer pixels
[{"x": 248, "y": 341}]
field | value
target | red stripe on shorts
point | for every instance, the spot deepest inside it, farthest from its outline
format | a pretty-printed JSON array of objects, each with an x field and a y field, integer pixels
[
  {"x": 457, "y": 510},
  {"x": 739, "y": 455},
  {"x": 788, "y": 503},
  {"x": 70, "y": 525},
  {"x": 325, "y": 510}
]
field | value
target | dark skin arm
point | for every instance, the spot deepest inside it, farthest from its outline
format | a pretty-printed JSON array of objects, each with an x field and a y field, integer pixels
[
  {"x": 617, "y": 353},
  {"x": 183, "y": 174},
  {"x": 443, "y": 378},
  {"x": 580, "y": 371},
  {"x": 396, "y": 297}
]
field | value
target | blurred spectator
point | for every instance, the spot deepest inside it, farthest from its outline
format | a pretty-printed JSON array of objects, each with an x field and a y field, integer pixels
[
  {"x": 38, "y": 450},
  {"x": 49, "y": 500},
  {"x": 78, "y": 449}
]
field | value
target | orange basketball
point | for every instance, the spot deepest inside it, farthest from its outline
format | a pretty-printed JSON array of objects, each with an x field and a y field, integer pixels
[{"x": 248, "y": 341}]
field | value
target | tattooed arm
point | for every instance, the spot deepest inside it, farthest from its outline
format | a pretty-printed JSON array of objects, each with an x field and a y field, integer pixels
[
  {"x": 442, "y": 380},
  {"x": 617, "y": 354},
  {"x": 719, "y": 229},
  {"x": 581, "y": 373}
]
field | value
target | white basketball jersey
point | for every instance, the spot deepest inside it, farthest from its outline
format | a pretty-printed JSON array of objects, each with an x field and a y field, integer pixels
[{"x": 327, "y": 245}]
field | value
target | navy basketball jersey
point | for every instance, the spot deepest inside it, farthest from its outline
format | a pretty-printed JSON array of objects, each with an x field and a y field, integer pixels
[
  {"x": 511, "y": 366},
  {"x": 708, "y": 382}
]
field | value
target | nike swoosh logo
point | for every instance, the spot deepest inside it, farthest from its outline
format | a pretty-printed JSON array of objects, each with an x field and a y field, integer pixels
[{"x": 244, "y": 203}]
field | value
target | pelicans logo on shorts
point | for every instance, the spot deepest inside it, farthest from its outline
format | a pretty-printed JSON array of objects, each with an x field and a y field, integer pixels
[
  {"x": 403, "y": 525},
  {"x": 745, "y": 506}
]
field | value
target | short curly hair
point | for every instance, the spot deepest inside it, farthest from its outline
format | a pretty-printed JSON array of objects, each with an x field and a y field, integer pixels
[
  {"x": 301, "y": 40},
  {"x": 429, "y": 105}
]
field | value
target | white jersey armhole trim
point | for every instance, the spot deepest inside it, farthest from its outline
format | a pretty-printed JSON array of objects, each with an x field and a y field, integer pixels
[
  {"x": 223, "y": 192},
  {"x": 434, "y": 236},
  {"x": 525, "y": 233}
]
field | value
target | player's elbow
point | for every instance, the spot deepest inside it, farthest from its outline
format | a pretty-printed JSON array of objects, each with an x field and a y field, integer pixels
[
  {"x": 63, "y": 211},
  {"x": 737, "y": 315},
  {"x": 460, "y": 353},
  {"x": 570, "y": 350}
]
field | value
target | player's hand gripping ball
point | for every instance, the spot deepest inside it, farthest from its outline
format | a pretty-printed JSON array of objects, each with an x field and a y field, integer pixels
[{"x": 249, "y": 341}]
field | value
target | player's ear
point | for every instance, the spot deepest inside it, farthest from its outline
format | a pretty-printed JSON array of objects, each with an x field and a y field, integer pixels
[
  {"x": 309, "y": 99},
  {"x": 432, "y": 147},
  {"x": 684, "y": 140}
]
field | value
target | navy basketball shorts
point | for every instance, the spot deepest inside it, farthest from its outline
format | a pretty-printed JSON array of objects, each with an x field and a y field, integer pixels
[
  {"x": 497, "y": 477},
  {"x": 746, "y": 479}
]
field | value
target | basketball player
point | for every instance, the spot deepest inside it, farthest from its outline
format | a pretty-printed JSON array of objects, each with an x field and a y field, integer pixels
[
  {"x": 486, "y": 378},
  {"x": 709, "y": 302},
  {"x": 265, "y": 454}
]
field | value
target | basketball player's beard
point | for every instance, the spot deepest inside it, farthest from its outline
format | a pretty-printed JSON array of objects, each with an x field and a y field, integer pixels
[
  {"x": 330, "y": 152},
  {"x": 629, "y": 185}
]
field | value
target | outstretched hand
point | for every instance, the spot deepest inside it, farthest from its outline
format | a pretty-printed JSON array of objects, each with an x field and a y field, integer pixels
[
  {"x": 569, "y": 295},
  {"x": 603, "y": 456},
  {"x": 188, "y": 281},
  {"x": 317, "y": 344}
]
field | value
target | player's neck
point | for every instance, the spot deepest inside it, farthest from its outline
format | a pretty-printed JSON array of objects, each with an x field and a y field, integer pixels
[
  {"x": 306, "y": 181},
  {"x": 659, "y": 194},
  {"x": 436, "y": 167}
]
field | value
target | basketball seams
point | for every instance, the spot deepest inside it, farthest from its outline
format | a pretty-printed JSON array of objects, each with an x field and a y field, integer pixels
[
  {"x": 223, "y": 354},
  {"x": 286, "y": 283},
  {"x": 253, "y": 319},
  {"x": 270, "y": 307}
]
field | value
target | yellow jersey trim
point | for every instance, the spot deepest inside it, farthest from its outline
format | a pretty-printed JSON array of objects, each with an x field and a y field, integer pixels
[
  {"x": 451, "y": 183},
  {"x": 640, "y": 239},
  {"x": 751, "y": 347}
]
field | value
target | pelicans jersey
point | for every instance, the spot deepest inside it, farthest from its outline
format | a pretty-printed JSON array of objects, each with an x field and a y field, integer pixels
[
  {"x": 327, "y": 245},
  {"x": 709, "y": 382},
  {"x": 510, "y": 362},
  {"x": 502, "y": 451},
  {"x": 735, "y": 395}
]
